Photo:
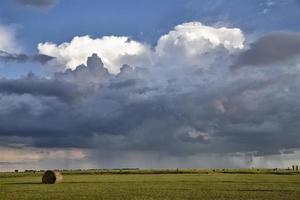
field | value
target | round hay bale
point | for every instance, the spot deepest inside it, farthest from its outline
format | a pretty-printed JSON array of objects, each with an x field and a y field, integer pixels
[{"x": 52, "y": 177}]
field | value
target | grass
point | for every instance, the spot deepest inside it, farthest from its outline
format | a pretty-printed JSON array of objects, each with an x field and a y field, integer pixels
[{"x": 150, "y": 185}]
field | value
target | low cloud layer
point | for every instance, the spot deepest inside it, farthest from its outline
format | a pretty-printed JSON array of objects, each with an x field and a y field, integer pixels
[
  {"x": 37, "y": 3},
  {"x": 175, "y": 103},
  {"x": 23, "y": 58}
]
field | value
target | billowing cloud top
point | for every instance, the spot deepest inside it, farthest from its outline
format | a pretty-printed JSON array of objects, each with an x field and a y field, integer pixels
[
  {"x": 180, "y": 100},
  {"x": 192, "y": 43},
  {"x": 189, "y": 43},
  {"x": 114, "y": 51}
]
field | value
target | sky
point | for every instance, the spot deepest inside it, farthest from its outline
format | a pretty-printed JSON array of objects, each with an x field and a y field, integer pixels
[{"x": 149, "y": 84}]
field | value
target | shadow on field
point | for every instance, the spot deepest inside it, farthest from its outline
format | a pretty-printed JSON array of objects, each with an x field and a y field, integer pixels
[
  {"x": 25, "y": 183},
  {"x": 65, "y": 183}
]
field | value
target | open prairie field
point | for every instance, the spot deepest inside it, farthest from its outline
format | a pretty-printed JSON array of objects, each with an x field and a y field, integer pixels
[{"x": 150, "y": 185}]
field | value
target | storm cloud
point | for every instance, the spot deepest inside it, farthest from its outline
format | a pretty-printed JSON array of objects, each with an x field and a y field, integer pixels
[
  {"x": 163, "y": 109},
  {"x": 271, "y": 49}
]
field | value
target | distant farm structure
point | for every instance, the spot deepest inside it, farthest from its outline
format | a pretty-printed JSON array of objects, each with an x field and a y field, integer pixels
[{"x": 295, "y": 167}]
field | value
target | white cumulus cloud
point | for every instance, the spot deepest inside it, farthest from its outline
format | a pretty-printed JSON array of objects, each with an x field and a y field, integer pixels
[
  {"x": 114, "y": 51},
  {"x": 195, "y": 44},
  {"x": 188, "y": 44}
]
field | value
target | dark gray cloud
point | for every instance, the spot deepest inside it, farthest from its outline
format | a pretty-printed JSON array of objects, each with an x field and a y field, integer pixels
[
  {"x": 7, "y": 57},
  {"x": 40, "y": 87},
  {"x": 37, "y": 3},
  {"x": 271, "y": 49},
  {"x": 22, "y": 58},
  {"x": 213, "y": 112},
  {"x": 41, "y": 58}
]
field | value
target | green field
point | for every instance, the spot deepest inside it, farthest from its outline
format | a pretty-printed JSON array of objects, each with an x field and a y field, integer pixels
[{"x": 172, "y": 185}]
